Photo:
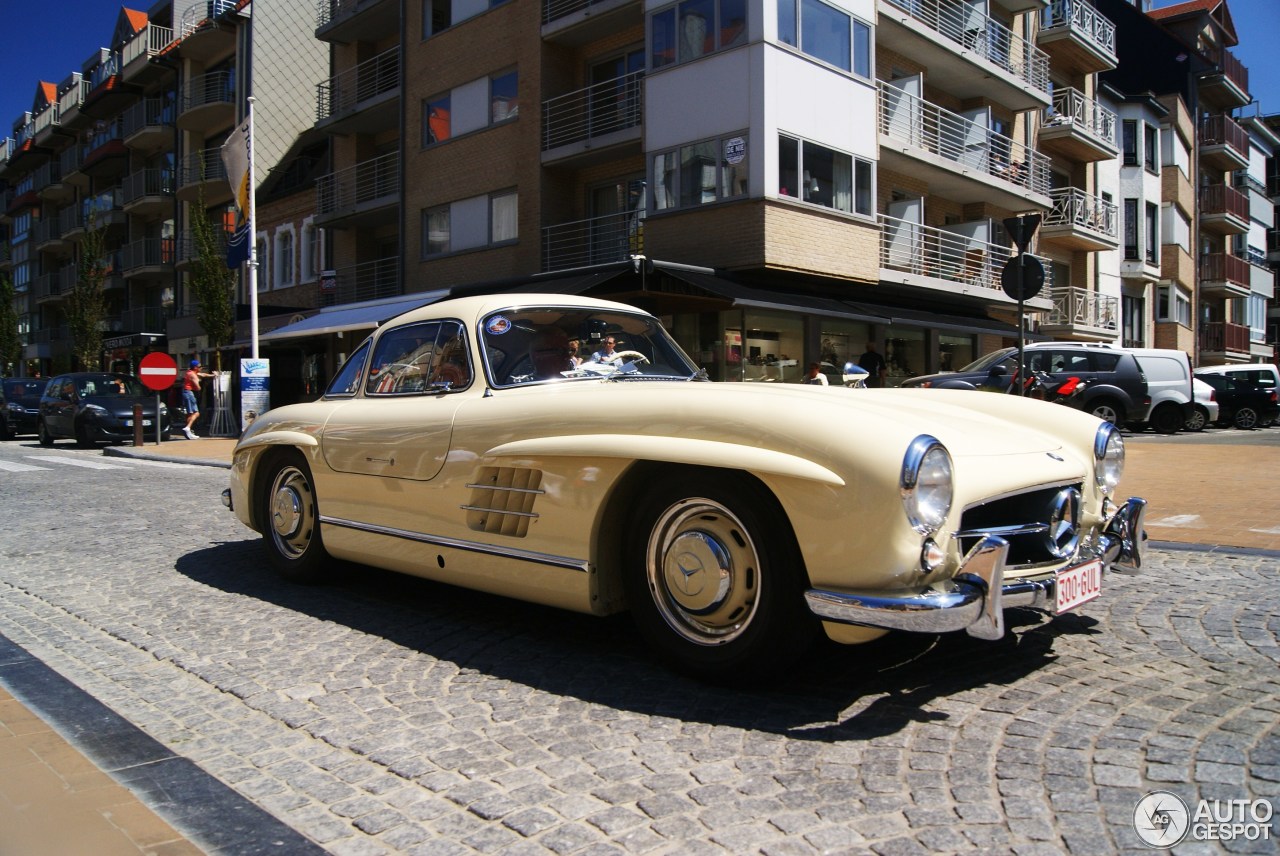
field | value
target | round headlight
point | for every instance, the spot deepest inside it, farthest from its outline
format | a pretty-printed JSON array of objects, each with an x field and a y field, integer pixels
[
  {"x": 1108, "y": 453},
  {"x": 926, "y": 484}
]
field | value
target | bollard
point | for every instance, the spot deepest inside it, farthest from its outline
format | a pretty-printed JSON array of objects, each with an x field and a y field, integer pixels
[{"x": 137, "y": 425}]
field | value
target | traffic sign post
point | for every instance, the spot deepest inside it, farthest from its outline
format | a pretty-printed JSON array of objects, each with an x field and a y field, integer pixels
[
  {"x": 1022, "y": 279},
  {"x": 157, "y": 371}
]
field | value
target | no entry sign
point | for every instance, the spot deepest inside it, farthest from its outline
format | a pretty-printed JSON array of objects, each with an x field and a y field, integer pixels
[{"x": 157, "y": 371}]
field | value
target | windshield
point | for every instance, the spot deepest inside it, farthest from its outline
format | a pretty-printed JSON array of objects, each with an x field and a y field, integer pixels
[
  {"x": 984, "y": 363},
  {"x": 549, "y": 343},
  {"x": 109, "y": 384},
  {"x": 23, "y": 390}
]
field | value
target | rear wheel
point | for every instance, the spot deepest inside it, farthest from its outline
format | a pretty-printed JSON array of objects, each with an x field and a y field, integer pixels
[
  {"x": 715, "y": 584},
  {"x": 1246, "y": 418},
  {"x": 43, "y": 435},
  {"x": 291, "y": 520},
  {"x": 1198, "y": 419},
  {"x": 1107, "y": 410},
  {"x": 1168, "y": 419}
]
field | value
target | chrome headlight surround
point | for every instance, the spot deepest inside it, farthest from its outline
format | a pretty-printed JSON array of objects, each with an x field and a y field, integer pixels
[
  {"x": 926, "y": 484},
  {"x": 1108, "y": 457}
]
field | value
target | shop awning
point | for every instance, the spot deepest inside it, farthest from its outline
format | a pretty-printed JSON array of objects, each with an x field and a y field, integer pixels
[
  {"x": 352, "y": 316},
  {"x": 743, "y": 295},
  {"x": 958, "y": 322}
]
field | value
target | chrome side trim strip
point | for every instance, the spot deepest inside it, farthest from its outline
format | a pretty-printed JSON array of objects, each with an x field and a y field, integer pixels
[
  {"x": 507, "y": 489},
  {"x": 485, "y": 510},
  {"x": 566, "y": 562}
]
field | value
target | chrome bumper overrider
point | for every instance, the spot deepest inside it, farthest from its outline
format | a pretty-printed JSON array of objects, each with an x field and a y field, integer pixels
[{"x": 974, "y": 600}]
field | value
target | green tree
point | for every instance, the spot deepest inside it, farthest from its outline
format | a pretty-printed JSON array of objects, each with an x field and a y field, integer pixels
[
  {"x": 211, "y": 282},
  {"x": 10, "y": 341},
  {"x": 86, "y": 304}
]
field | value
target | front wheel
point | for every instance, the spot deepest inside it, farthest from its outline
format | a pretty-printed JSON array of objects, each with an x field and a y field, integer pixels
[
  {"x": 1246, "y": 418},
  {"x": 43, "y": 435},
  {"x": 291, "y": 521},
  {"x": 714, "y": 579}
]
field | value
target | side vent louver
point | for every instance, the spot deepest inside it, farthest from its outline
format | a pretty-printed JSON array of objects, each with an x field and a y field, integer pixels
[{"x": 502, "y": 500}]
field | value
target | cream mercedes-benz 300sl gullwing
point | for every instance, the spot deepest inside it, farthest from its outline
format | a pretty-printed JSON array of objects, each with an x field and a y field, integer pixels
[{"x": 566, "y": 451}]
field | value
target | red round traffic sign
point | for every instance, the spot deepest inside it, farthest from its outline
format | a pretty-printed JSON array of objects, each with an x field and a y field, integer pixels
[{"x": 157, "y": 371}]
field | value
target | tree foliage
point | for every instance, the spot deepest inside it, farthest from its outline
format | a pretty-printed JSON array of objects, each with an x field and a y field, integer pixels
[
  {"x": 86, "y": 303},
  {"x": 10, "y": 340},
  {"x": 211, "y": 282}
]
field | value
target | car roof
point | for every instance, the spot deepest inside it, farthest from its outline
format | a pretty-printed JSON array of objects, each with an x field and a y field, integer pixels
[{"x": 472, "y": 308}]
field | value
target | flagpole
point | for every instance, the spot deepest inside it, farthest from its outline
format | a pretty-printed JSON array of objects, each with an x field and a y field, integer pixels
[{"x": 253, "y": 247}]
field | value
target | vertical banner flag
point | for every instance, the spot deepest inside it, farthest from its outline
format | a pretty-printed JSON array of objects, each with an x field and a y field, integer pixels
[{"x": 235, "y": 157}]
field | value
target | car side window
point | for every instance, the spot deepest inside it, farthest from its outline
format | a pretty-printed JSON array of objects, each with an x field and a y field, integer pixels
[
  {"x": 417, "y": 358},
  {"x": 347, "y": 380},
  {"x": 1105, "y": 362}
]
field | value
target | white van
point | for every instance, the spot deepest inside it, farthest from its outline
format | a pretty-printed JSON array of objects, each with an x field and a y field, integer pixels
[
  {"x": 1169, "y": 386},
  {"x": 1264, "y": 375}
]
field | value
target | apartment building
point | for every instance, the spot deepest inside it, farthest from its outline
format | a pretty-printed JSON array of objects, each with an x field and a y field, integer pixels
[
  {"x": 1213, "y": 212},
  {"x": 125, "y": 146}
]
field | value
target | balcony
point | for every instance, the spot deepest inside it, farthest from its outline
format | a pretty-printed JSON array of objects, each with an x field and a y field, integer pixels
[
  {"x": 54, "y": 286},
  {"x": 1080, "y": 221},
  {"x": 148, "y": 192},
  {"x": 1273, "y": 245},
  {"x": 361, "y": 100},
  {"x": 1078, "y": 37},
  {"x": 927, "y": 257},
  {"x": 594, "y": 241},
  {"x": 592, "y": 124},
  {"x": 47, "y": 124},
  {"x": 966, "y": 52},
  {"x": 148, "y": 258},
  {"x": 46, "y": 235},
  {"x": 1225, "y": 86},
  {"x": 208, "y": 102},
  {"x": 1223, "y": 143},
  {"x": 364, "y": 281},
  {"x": 204, "y": 33},
  {"x": 188, "y": 252},
  {"x": 69, "y": 162},
  {"x": 1223, "y": 340},
  {"x": 345, "y": 21},
  {"x": 143, "y": 319},
  {"x": 1223, "y": 210},
  {"x": 368, "y": 192},
  {"x": 71, "y": 94},
  {"x": 578, "y": 22},
  {"x": 105, "y": 154},
  {"x": 49, "y": 184},
  {"x": 204, "y": 173},
  {"x": 107, "y": 94},
  {"x": 148, "y": 125},
  {"x": 962, "y": 160},
  {"x": 1224, "y": 275},
  {"x": 1081, "y": 315},
  {"x": 1078, "y": 128},
  {"x": 136, "y": 54}
]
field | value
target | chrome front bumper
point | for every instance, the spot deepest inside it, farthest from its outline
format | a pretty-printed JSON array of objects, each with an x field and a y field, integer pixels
[{"x": 974, "y": 600}]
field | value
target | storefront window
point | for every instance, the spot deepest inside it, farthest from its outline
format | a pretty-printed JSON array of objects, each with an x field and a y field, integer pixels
[
  {"x": 841, "y": 342},
  {"x": 904, "y": 353},
  {"x": 955, "y": 351},
  {"x": 772, "y": 347}
]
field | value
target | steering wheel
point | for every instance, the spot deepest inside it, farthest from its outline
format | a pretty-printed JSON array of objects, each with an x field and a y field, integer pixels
[{"x": 634, "y": 356}]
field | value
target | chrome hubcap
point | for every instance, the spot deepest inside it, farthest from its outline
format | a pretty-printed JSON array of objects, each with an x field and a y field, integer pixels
[{"x": 291, "y": 511}]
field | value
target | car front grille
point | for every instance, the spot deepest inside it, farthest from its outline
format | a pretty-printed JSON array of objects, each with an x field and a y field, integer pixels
[{"x": 1042, "y": 525}]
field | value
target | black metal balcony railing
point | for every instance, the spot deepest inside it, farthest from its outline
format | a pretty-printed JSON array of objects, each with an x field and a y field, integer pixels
[
  {"x": 365, "y": 281},
  {"x": 202, "y": 166},
  {"x": 341, "y": 93},
  {"x": 1080, "y": 307},
  {"x": 600, "y": 109},
  {"x": 979, "y": 34},
  {"x": 594, "y": 241},
  {"x": 155, "y": 181},
  {"x": 47, "y": 174},
  {"x": 368, "y": 181},
  {"x": 928, "y": 127},
  {"x": 216, "y": 87},
  {"x": 148, "y": 252},
  {"x": 148, "y": 113}
]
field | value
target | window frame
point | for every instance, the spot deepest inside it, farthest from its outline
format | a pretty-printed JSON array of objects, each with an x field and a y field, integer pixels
[
  {"x": 677, "y": 194},
  {"x": 284, "y": 232},
  {"x": 447, "y": 210},
  {"x": 1172, "y": 304},
  {"x": 717, "y": 29},
  {"x": 857, "y": 166},
  {"x": 1150, "y": 147},
  {"x": 861, "y": 33},
  {"x": 1129, "y": 142}
]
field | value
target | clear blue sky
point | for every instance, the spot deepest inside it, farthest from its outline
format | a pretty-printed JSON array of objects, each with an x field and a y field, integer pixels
[{"x": 49, "y": 39}]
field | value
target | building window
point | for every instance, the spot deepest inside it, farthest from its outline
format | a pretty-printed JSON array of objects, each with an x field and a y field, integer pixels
[
  {"x": 1153, "y": 233},
  {"x": 435, "y": 228},
  {"x": 1150, "y": 151},
  {"x": 473, "y": 106},
  {"x": 1131, "y": 229},
  {"x": 695, "y": 28},
  {"x": 312, "y": 252},
  {"x": 284, "y": 268},
  {"x": 469, "y": 224},
  {"x": 825, "y": 177},
  {"x": 439, "y": 15},
  {"x": 826, "y": 33},
  {"x": 700, "y": 173},
  {"x": 1134, "y": 312},
  {"x": 504, "y": 98},
  {"x": 1173, "y": 304},
  {"x": 435, "y": 125},
  {"x": 1129, "y": 141},
  {"x": 504, "y": 220}
]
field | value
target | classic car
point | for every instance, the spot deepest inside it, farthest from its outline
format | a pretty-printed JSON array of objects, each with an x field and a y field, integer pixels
[{"x": 463, "y": 442}]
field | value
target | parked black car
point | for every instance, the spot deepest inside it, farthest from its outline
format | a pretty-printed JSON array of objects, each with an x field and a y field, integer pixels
[
  {"x": 1241, "y": 403},
  {"x": 1116, "y": 389},
  {"x": 20, "y": 405},
  {"x": 92, "y": 406}
]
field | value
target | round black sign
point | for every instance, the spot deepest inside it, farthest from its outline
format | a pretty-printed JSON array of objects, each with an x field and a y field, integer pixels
[{"x": 1022, "y": 277}]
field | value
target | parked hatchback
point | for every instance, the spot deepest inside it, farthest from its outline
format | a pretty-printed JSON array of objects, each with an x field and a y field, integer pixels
[
  {"x": 19, "y": 405},
  {"x": 1116, "y": 390},
  {"x": 1241, "y": 403},
  {"x": 91, "y": 406},
  {"x": 1265, "y": 375}
]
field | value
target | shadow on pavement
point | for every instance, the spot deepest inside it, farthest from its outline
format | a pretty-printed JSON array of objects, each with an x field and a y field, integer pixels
[{"x": 838, "y": 693}]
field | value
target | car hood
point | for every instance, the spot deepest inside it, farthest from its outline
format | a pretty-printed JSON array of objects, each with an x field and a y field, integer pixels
[{"x": 120, "y": 404}]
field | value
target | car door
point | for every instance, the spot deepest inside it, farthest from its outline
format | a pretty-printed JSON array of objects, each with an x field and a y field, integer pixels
[{"x": 58, "y": 407}]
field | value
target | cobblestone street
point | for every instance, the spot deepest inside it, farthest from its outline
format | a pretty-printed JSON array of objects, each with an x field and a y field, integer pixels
[{"x": 385, "y": 714}]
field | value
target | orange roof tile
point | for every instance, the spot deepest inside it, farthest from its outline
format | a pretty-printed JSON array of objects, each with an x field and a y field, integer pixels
[{"x": 138, "y": 20}]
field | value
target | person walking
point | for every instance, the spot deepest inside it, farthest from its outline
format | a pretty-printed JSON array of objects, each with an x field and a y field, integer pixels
[
  {"x": 191, "y": 396},
  {"x": 874, "y": 364}
]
